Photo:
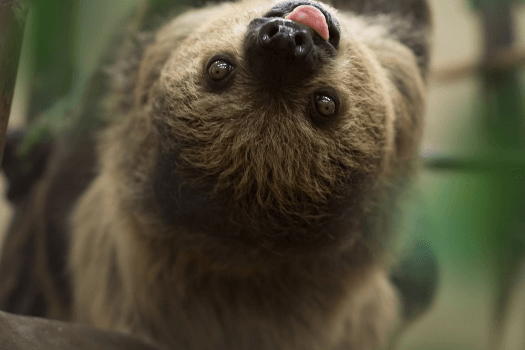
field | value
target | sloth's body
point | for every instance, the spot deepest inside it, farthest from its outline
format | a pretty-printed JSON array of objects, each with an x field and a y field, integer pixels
[{"x": 231, "y": 211}]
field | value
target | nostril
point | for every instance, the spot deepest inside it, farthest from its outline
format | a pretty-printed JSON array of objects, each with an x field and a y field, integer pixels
[
  {"x": 273, "y": 30},
  {"x": 299, "y": 40}
]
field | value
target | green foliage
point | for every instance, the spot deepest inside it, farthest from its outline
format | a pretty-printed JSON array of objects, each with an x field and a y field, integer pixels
[
  {"x": 68, "y": 40},
  {"x": 53, "y": 40},
  {"x": 485, "y": 3}
]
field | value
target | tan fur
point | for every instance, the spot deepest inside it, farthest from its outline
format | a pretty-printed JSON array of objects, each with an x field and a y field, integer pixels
[{"x": 133, "y": 273}]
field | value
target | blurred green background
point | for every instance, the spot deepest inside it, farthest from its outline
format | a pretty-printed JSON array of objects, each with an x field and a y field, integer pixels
[{"x": 473, "y": 218}]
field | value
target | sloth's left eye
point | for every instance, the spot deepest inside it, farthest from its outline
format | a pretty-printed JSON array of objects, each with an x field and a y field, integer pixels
[
  {"x": 325, "y": 105},
  {"x": 219, "y": 70}
]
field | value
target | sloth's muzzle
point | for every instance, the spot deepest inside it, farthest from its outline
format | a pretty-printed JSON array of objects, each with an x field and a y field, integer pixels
[{"x": 283, "y": 52}]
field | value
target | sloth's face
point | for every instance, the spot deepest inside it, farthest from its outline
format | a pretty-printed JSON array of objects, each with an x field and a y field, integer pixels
[{"x": 270, "y": 132}]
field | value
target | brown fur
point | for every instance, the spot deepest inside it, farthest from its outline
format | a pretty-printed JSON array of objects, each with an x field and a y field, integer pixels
[{"x": 229, "y": 220}]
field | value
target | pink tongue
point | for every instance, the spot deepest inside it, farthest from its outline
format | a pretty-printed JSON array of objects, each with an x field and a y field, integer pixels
[{"x": 311, "y": 17}]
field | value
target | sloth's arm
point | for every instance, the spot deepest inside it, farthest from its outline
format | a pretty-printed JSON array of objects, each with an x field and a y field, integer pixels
[
  {"x": 45, "y": 184},
  {"x": 33, "y": 278}
]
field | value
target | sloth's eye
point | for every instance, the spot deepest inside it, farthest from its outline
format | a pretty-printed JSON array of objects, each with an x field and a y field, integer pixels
[
  {"x": 219, "y": 70},
  {"x": 325, "y": 105}
]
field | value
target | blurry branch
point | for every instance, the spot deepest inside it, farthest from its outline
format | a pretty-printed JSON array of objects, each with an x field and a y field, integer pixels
[
  {"x": 13, "y": 15},
  {"x": 456, "y": 71},
  {"x": 24, "y": 333},
  {"x": 510, "y": 164}
]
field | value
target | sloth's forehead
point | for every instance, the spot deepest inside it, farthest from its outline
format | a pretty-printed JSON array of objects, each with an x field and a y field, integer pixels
[{"x": 239, "y": 29}]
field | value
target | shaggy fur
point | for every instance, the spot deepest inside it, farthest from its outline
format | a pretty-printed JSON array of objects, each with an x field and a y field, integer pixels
[{"x": 227, "y": 217}]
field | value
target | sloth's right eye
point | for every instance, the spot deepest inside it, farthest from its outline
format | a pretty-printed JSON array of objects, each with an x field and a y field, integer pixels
[{"x": 219, "y": 70}]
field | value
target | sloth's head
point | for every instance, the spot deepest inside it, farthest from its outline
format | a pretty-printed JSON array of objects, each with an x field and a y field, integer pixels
[{"x": 270, "y": 131}]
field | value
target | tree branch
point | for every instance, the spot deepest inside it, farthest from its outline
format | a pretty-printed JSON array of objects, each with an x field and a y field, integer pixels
[
  {"x": 502, "y": 59},
  {"x": 25, "y": 333}
]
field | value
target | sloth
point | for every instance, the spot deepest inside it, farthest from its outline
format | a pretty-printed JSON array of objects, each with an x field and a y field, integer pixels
[{"x": 249, "y": 179}]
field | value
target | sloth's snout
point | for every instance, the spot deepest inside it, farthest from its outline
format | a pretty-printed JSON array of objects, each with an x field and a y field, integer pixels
[{"x": 289, "y": 41}]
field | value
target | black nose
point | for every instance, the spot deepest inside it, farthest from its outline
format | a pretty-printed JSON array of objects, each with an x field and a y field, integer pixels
[
  {"x": 289, "y": 41},
  {"x": 281, "y": 52}
]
